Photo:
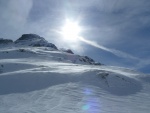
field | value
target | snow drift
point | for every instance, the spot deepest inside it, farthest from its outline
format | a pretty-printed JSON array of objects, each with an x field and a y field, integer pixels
[{"x": 35, "y": 77}]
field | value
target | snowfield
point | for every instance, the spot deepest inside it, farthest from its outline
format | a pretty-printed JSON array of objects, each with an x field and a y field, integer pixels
[{"x": 46, "y": 80}]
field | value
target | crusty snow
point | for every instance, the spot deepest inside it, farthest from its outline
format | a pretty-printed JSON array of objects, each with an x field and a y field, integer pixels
[{"x": 44, "y": 80}]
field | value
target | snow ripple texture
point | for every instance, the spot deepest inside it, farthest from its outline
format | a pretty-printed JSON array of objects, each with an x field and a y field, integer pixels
[{"x": 46, "y": 81}]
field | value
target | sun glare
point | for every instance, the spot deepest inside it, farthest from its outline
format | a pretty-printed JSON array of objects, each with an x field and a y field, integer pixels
[{"x": 71, "y": 30}]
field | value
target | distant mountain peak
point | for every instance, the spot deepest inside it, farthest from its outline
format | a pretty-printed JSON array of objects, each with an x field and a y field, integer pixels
[
  {"x": 34, "y": 40},
  {"x": 29, "y": 37},
  {"x": 67, "y": 50}
]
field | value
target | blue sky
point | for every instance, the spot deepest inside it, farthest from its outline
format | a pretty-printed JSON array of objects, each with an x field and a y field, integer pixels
[{"x": 118, "y": 31}]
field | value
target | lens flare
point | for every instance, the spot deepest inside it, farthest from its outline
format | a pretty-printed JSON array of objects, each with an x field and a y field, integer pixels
[
  {"x": 71, "y": 30},
  {"x": 86, "y": 107},
  {"x": 91, "y": 104}
]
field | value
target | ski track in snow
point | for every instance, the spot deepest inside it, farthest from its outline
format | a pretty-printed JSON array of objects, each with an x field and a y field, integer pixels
[{"x": 43, "y": 84}]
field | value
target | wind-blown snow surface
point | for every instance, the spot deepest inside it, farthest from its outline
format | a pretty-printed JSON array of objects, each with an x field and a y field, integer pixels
[{"x": 43, "y": 80}]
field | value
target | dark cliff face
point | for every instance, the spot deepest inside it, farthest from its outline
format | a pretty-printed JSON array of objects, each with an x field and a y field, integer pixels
[
  {"x": 88, "y": 60},
  {"x": 34, "y": 40},
  {"x": 29, "y": 37},
  {"x": 68, "y": 51},
  {"x": 5, "y": 41}
]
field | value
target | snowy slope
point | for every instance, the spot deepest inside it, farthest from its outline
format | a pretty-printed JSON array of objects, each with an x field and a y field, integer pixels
[{"x": 46, "y": 80}]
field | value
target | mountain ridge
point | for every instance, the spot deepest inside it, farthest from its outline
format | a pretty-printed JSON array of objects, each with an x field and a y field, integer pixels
[{"x": 34, "y": 40}]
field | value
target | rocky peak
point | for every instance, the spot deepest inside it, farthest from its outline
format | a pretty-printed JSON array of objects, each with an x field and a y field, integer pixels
[
  {"x": 34, "y": 40},
  {"x": 67, "y": 50},
  {"x": 29, "y": 37},
  {"x": 88, "y": 60}
]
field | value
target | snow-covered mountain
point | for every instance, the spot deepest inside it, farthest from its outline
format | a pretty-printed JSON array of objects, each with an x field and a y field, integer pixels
[{"x": 37, "y": 77}]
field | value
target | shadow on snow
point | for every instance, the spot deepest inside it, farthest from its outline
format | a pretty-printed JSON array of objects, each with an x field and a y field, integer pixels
[{"x": 27, "y": 82}]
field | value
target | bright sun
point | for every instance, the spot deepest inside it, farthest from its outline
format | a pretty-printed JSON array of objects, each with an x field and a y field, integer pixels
[{"x": 71, "y": 30}]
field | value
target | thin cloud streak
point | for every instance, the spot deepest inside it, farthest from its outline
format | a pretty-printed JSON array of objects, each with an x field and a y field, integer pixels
[
  {"x": 140, "y": 62},
  {"x": 113, "y": 51}
]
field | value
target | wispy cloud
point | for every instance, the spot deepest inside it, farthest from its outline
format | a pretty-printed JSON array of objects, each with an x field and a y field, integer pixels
[
  {"x": 141, "y": 62},
  {"x": 113, "y": 51},
  {"x": 13, "y": 17}
]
